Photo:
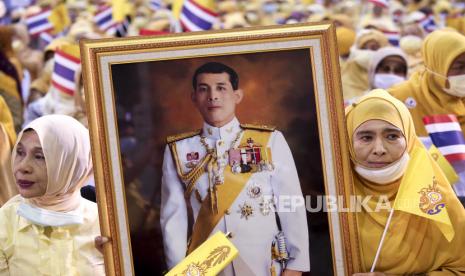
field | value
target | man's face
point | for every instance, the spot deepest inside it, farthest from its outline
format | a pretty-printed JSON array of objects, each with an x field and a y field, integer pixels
[{"x": 215, "y": 98}]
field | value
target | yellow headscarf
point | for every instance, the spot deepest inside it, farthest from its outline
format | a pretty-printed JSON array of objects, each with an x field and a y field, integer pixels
[
  {"x": 413, "y": 244},
  {"x": 423, "y": 93}
]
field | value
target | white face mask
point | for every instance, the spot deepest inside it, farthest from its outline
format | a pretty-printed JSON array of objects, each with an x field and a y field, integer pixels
[
  {"x": 456, "y": 84},
  {"x": 387, "y": 174},
  {"x": 385, "y": 81},
  {"x": 45, "y": 217}
]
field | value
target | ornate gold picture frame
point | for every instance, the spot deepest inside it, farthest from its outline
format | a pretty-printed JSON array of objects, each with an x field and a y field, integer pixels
[{"x": 138, "y": 93}]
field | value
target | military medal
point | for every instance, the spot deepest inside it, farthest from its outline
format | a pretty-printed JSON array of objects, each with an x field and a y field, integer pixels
[
  {"x": 246, "y": 210},
  {"x": 265, "y": 206},
  {"x": 254, "y": 190},
  {"x": 192, "y": 159}
]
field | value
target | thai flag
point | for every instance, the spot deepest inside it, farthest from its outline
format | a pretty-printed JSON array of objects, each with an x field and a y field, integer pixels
[
  {"x": 393, "y": 37},
  {"x": 155, "y": 5},
  {"x": 64, "y": 71},
  {"x": 104, "y": 20},
  {"x": 447, "y": 136},
  {"x": 122, "y": 28},
  {"x": 45, "y": 39},
  {"x": 39, "y": 22},
  {"x": 427, "y": 23},
  {"x": 195, "y": 17}
]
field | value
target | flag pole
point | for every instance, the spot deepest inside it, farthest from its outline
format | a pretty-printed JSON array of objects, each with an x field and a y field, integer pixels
[{"x": 382, "y": 240}]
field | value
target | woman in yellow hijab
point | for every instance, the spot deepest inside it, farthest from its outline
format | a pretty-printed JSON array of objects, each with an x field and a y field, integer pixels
[
  {"x": 385, "y": 155},
  {"x": 440, "y": 87}
]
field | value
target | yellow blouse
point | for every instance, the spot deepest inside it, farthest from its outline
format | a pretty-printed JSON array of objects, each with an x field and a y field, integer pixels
[{"x": 30, "y": 249}]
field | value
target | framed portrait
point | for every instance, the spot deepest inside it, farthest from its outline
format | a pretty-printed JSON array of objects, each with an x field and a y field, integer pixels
[{"x": 138, "y": 92}]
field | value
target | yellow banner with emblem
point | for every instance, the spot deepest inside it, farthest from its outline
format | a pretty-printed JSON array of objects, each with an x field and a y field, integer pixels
[{"x": 209, "y": 259}]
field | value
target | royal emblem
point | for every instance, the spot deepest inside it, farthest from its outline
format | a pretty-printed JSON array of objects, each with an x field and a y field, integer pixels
[
  {"x": 246, "y": 210},
  {"x": 431, "y": 199},
  {"x": 216, "y": 257}
]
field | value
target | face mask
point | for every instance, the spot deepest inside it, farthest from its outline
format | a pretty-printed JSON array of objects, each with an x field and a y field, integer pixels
[
  {"x": 387, "y": 174},
  {"x": 363, "y": 57},
  {"x": 456, "y": 84},
  {"x": 385, "y": 81},
  {"x": 45, "y": 217}
]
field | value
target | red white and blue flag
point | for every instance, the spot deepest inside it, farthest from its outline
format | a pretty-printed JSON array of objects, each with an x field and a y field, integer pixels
[
  {"x": 103, "y": 18},
  {"x": 64, "y": 71},
  {"x": 393, "y": 37},
  {"x": 447, "y": 136},
  {"x": 155, "y": 5},
  {"x": 195, "y": 17},
  {"x": 39, "y": 22},
  {"x": 428, "y": 23}
]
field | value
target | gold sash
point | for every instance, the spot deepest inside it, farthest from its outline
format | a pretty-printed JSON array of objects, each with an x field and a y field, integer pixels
[{"x": 226, "y": 194}]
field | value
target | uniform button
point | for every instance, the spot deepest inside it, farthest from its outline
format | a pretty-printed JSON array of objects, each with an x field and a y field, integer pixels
[{"x": 227, "y": 212}]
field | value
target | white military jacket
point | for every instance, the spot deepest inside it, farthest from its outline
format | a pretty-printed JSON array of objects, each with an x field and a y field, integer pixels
[{"x": 252, "y": 234}]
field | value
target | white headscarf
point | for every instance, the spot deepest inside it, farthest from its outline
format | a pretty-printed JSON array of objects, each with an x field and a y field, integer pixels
[
  {"x": 66, "y": 147},
  {"x": 378, "y": 56}
]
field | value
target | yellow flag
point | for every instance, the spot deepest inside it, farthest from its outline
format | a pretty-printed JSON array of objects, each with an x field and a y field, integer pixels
[
  {"x": 208, "y": 259},
  {"x": 177, "y": 7},
  {"x": 59, "y": 18},
  {"x": 119, "y": 10},
  {"x": 444, "y": 164},
  {"x": 420, "y": 193},
  {"x": 72, "y": 50}
]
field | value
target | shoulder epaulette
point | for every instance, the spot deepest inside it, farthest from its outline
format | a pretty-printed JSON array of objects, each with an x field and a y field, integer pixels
[
  {"x": 178, "y": 137},
  {"x": 259, "y": 127}
]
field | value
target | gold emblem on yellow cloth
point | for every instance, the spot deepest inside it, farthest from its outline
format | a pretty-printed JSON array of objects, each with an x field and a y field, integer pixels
[
  {"x": 431, "y": 199},
  {"x": 209, "y": 259}
]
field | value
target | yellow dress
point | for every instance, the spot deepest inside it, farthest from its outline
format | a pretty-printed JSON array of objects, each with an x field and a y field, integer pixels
[
  {"x": 413, "y": 244},
  {"x": 423, "y": 93},
  {"x": 30, "y": 249}
]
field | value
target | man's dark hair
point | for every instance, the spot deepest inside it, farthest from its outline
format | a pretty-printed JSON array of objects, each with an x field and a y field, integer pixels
[{"x": 216, "y": 68}]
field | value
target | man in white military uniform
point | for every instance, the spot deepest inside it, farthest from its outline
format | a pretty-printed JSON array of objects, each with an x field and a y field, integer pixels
[{"x": 224, "y": 177}]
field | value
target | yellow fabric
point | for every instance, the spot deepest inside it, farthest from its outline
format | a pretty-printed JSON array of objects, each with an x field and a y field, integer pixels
[
  {"x": 439, "y": 50},
  {"x": 430, "y": 204},
  {"x": 458, "y": 23},
  {"x": 59, "y": 18},
  {"x": 29, "y": 249},
  {"x": 7, "y": 183},
  {"x": 66, "y": 147},
  {"x": 446, "y": 167},
  {"x": 8, "y": 85},
  {"x": 345, "y": 40},
  {"x": 354, "y": 80},
  {"x": 6, "y": 119},
  {"x": 371, "y": 34},
  {"x": 226, "y": 195},
  {"x": 413, "y": 244},
  {"x": 119, "y": 9},
  {"x": 209, "y": 259}
]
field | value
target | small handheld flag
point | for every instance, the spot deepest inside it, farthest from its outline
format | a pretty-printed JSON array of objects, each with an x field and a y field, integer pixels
[{"x": 67, "y": 61}]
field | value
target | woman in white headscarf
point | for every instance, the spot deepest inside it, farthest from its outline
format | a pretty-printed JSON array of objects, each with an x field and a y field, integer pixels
[
  {"x": 49, "y": 229},
  {"x": 387, "y": 68}
]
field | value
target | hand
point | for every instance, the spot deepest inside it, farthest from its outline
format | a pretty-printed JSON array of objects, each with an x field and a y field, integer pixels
[
  {"x": 290, "y": 272},
  {"x": 99, "y": 242},
  {"x": 370, "y": 274}
]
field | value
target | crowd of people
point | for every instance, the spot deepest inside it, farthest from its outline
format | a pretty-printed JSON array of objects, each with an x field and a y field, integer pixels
[{"x": 400, "y": 61}]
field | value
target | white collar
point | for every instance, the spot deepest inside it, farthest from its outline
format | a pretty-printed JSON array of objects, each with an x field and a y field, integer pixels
[{"x": 227, "y": 132}]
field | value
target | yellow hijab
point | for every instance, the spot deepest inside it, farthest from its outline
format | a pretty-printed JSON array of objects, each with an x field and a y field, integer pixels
[
  {"x": 413, "y": 244},
  {"x": 423, "y": 92}
]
